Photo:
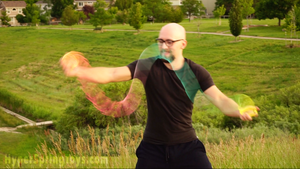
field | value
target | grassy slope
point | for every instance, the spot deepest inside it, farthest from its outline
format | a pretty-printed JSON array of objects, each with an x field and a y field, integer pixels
[
  {"x": 29, "y": 66},
  {"x": 18, "y": 145},
  {"x": 7, "y": 120}
]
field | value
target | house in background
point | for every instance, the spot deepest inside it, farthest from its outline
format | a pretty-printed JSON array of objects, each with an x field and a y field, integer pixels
[
  {"x": 12, "y": 8},
  {"x": 81, "y": 3},
  {"x": 176, "y": 2},
  {"x": 43, "y": 5},
  {"x": 209, "y": 5}
]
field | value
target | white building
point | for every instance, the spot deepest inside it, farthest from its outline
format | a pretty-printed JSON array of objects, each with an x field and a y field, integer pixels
[
  {"x": 12, "y": 8},
  {"x": 208, "y": 4},
  {"x": 43, "y": 5}
]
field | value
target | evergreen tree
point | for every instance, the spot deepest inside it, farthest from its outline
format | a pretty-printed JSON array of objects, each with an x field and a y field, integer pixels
[{"x": 236, "y": 19}]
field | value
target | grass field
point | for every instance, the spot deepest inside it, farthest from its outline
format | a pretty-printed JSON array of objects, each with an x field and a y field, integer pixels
[
  {"x": 19, "y": 144},
  {"x": 7, "y": 120},
  {"x": 29, "y": 66},
  {"x": 29, "y": 69}
]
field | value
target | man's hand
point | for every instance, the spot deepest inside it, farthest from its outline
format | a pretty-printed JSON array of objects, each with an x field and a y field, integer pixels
[
  {"x": 70, "y": 66},
  {"x": 248, "y": 112}
]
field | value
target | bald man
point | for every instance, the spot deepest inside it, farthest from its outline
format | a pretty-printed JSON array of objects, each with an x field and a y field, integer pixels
[{"x": 169, "y": 139}]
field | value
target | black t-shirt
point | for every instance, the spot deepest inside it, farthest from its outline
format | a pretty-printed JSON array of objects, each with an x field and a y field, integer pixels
[{"x": 169, "y": 107}]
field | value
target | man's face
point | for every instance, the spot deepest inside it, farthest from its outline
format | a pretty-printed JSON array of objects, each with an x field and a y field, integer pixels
[
  {"x": 167, "y": 47},
  {"x": 170, "y": 43}
]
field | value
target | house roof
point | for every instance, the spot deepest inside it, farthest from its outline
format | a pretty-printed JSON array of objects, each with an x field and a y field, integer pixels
[{"x": 14, "y": 4}]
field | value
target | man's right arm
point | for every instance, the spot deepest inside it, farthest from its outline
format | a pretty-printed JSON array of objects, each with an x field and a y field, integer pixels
[{"x": 100, "y": 74}]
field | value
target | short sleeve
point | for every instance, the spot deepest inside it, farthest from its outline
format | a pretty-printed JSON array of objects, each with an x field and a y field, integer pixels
[
  {"x": 132, "y": 67},
  {"x": 203, "y": 76}
]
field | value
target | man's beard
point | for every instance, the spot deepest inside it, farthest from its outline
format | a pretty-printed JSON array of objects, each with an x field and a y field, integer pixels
[{"x": 166, "y": 59}]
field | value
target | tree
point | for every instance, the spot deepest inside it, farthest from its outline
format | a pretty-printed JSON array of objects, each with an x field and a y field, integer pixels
[
  {"x": 247, "y": 10},
  {"x": 69, "y": 17},
  {"x": 59, "y": 6},
  {"x": 81, "y": 16},
  {"x": 20, "y": 18},
  {"x": 220, "y": 11},
  {"x": 122, "y": 16},
  {"x": 88, "y": 10},
  {"x": 101, "y": 16},
  {"x": 35, "y": 18},
  {"x": 31, "y": 13},
  {"x": 273, "y": 9},
  {"x": 226, "y": 3},
  {"x": 123, "y": 4},
  {"x": 289, "y": 18},
  {"x": 113, "y": 11},
  {"x": 166, "y": 11},
  {"x": 45, "y": 14},
  {"x": 192, "y": 7},
  {"x": 152, "y": 8},
  {"x": 292, "y": 27},
  {"x": 4, "y": 18},
  {"x": 177, "y": 15},
  {"x": 100, "y": 4},
  {"x": 235, "y": 19},
  {"x": 136, "y": 18}
]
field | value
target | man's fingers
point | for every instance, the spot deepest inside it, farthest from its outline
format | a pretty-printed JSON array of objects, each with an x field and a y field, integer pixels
[{"x": 246, "y": 117}]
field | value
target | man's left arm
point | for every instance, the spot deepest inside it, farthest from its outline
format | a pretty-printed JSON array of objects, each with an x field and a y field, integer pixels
[{"x": 225, "y": 104}]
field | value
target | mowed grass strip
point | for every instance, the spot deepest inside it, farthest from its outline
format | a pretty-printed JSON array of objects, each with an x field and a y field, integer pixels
[{"x": 30, "y": 67}]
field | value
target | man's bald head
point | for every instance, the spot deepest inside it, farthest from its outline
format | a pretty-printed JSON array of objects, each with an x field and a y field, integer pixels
[{"x": 172, "y": 31}]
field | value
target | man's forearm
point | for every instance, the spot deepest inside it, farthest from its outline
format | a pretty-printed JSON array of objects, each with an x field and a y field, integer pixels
[
  {"x": 229, "y": 107},
  {"x": 96, "y": 75}
]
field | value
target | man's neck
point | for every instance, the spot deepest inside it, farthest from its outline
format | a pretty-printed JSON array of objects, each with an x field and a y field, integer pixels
[{"x": 176, "y": 64}]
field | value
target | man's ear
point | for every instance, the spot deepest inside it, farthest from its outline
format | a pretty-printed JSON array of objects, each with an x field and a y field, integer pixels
[{"x": 184, "y": 43}]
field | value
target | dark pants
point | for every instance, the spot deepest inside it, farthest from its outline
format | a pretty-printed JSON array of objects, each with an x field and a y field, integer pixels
[{"x": 186, "y": 155}]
